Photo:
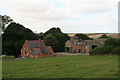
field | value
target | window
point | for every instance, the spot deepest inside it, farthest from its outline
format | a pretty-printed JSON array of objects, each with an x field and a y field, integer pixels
[
  {"x": 86, "y": 46},
  {"x": 25, "y": 51}
]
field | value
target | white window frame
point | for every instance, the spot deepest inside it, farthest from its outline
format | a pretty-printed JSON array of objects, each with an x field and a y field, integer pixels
[{"x": 24, "y": 51}]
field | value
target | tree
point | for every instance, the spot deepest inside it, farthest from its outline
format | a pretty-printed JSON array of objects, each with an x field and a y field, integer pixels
[
  {"x": 83, "y": 37},
  {"x": 103, "y": 36},
  {"x": 4, "y": 21},
  {"x": 40, "y": 35},
  {"x": 53, "y": 31},
  {"x": 61, "y": 38},
  {"x": 51, "y": 41},
  {"x": 13, "y": 38},
  {"x": 113, "y": 42}
]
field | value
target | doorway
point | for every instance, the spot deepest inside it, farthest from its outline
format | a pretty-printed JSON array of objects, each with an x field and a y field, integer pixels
[
  {"x": 94, "y": 46},
  {"x": 79, "y": 51},
  {"x": 68, "y": 49}
]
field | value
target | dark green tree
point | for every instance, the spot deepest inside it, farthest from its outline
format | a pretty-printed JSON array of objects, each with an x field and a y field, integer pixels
[
  {"x": 40, "y": 35},
  {"x": 53, "y": 31},
  {"x": 13, "y": 38},
  {"x": 112, "y": 42},
  {"x": 103, "y": 36},
  {"x": 51, "y": 41},
  {"x": 61, "y": 38},
  {"x": 83, "y": 37}
]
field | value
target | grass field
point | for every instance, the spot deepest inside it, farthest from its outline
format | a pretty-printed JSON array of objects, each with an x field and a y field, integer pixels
[
  {"x": 68, "y": 66},
  {"x": 0, "y": 67}
]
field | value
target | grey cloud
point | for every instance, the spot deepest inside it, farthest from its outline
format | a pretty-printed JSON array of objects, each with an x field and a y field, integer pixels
[{"x": 40, "y": 15}]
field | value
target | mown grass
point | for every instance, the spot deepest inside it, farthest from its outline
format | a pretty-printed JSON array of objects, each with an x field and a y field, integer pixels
[
  {"x": 62, "y": 67},
  {"x": 0, "y": 67}
]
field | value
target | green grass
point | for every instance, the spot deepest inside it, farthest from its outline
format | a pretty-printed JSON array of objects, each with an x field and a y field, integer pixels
[
  {"x": 62, "y": 67},
  {"x": 8, "y": 57},
  {"x": 0, "y": 67}
]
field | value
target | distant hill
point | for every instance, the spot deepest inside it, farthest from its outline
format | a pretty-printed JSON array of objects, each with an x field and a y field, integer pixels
[{"x": 96, "y": 35}]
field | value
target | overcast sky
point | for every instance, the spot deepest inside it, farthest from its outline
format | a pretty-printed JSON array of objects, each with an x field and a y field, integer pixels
[{"x": 72, "y": 16}]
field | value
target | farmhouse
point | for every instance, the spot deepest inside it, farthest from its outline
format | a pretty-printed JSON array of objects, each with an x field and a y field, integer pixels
[
  {"x": 74, "y": 45},
  {"x": 36, "y": 49}
]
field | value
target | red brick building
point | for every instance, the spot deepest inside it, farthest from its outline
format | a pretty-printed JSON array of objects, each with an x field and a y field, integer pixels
[
  {"x": 36, "y": 49},
  {"x": 82, "y": 46},
  {"x": 73, "y": 47}
]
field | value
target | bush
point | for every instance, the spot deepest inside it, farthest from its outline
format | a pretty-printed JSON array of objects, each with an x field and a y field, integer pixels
[
  {"x": 101, "y": 50},
  {"x": 115, "y": 50},
  {"x": 108, "y": 49},
  {"x": 112, "y": 42},
  {"x": 111, "y": 46},
  {"x": 97, "y": 50}
]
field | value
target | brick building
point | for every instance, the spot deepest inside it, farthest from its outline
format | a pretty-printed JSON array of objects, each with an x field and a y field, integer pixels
[
  {"x": 36, "y": 49},
  {"x": 74, "y": 45}
]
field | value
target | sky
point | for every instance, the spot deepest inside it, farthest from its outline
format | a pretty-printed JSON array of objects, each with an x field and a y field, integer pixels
[{"x": 72, "y": 16}]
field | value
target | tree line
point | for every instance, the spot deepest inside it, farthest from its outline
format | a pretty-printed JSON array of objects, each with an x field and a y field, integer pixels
[{"x": 15, "y": 34}]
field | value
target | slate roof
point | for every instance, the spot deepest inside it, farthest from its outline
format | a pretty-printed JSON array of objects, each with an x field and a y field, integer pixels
[
  {"x": 45, "y": 49},
  {"x": 95, "y": 41},
  {"x": 102, "y": 41},
  {"x": 38, "y": 46},
  {"x": 33, "y": 44},
  {"x": 36, "y": 51},
  {"x": 89, "y": 42},
  {"x": 36, "y": 43}
]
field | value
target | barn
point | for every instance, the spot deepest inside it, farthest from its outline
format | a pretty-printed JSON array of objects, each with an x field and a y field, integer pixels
[
  {"x": 74, "y": 45},
  {"x": 36, "y": 49}
]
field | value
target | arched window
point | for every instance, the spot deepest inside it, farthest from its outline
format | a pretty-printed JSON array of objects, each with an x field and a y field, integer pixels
[{"x": 25, "y": 51}]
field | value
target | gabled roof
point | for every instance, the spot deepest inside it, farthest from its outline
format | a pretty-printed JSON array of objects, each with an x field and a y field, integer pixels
[
  {"x": 38, "y": 46},
  {"x": 88, "y": 42},
  {"x": 35, "y": 43}
]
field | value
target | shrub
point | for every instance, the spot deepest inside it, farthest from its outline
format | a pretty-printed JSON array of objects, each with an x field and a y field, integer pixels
[
  {"x": 115, "y": 50},
  {"x": 111, "y": 46},
  {"x": 97, "y": 50},
  {"x": 108, "y": 49},
  {"x": 101, "y": 50},
  {"x": 112, "y": 42}
]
